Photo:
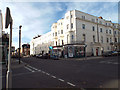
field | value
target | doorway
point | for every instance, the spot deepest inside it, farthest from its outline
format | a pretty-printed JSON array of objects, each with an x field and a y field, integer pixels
[{"x": 96, "y": 51}]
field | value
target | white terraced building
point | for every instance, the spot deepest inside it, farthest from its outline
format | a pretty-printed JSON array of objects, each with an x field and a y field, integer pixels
[{"x": 76, "y": 31}]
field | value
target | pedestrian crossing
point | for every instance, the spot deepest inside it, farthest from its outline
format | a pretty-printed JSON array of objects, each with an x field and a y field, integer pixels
[{"x": 109, "y": 62}]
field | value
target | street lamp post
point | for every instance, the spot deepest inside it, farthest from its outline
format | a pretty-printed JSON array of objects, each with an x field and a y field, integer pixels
[
  {"x": 85, "y": 52},
  {"x": 19, "y": 41},
  {"x": 9, "y": 72},
  {"x": 9, "y": 21}
]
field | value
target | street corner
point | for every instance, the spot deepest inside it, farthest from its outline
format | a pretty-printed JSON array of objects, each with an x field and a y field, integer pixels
[{"x": 16, "y": 64}]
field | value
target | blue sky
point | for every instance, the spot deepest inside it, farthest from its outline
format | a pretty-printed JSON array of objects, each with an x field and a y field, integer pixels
[{"x": 37, "y": 17}]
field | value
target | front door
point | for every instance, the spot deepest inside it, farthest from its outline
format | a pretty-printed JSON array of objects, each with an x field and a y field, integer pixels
[{"x": 96, "y": 51}]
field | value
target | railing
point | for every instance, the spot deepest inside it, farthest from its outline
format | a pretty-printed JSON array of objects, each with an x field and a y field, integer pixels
[{"x": 77, "y": 42}]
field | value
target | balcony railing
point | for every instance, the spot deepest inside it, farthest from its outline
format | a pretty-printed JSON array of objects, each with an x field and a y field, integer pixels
[{"x": 78, "y": 42}]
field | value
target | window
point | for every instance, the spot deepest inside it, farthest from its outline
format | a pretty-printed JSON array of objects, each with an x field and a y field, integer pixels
[
  {"x": 71, "y": 16},
  {"x": 101, "y": 39},
  {"x": 83, "y": 17},
  {"x": 119, "y": 39},
  {"x": 106, "y": 24},
  {"x": 56, "y": 43},
  {"x": 55, "y": 33},
  {"x": 83, "y": 26},
  {"x": 100, "y": 22},
  {"x": 61, "y": 23},
  {"x": 67, "y": 26},
  {"x": 107, "y": 40},
  {"x": 118, "y": 32},
  {"x": 109, "y": 24},
  {"x": 114, "y": 26},
  {"x": 58, "y": 32},
  {"x": 62, "y": 42},
  {"x": 115, "y": 39},
  {"x": 67, "y": 17},
  {"x": 93, "y": 38},
  {"x": 61, "y": 31},
  {"x": 106, "y": 31},
  {"x": 110, "y": 40},
  {"x": 72, "y": 36},
  {"x": 109, "y": 31},
  {"x": 93, "y": 20},
  {"x": 114, "y": 32},
  {"x": 100, "y": 29},
  {"x": 84, "y": 39},
  {"x": 71, "y": 25},
  {"x": 93, "y": 28}
]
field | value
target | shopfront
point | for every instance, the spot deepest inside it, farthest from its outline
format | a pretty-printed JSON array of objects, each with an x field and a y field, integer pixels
[
  {"x": 76, "y": 51},
  {"x": 55, "y": 51}
]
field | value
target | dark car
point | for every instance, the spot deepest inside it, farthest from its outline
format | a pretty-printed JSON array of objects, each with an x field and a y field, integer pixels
[
  {"x": 114, "y": 53},
  {"x": 44, "y": 56},
  {"x": 39, "y": 56},
  {"x": 106, "y": 54},
  {"x": 118, "y": 53},
  {"x": 55, "y": 57}
]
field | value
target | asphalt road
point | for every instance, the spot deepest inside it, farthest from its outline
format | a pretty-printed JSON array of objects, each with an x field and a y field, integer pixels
[{"x": 47, "y": 73}]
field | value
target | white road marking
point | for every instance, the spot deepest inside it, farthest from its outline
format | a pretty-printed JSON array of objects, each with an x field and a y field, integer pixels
[
  {"x": 61, "y": 80},
  {"x": 32, "y": 67},
  {"x": 39, "y": 70},
  {"x": 102, "y": 61},
  {"x": 115, "y": 63},
  {"x": 53, "y": 76},
  {"x": 29, "y": 69},
  {"x": 29, "y": 66},
  {"x": 43, "y": 72},
  {"x": 35, "y": 68},
  {"x": 47, "y": 74},
  {"x": 70, "y": 84},
  {"x": 108, "y": 62}
]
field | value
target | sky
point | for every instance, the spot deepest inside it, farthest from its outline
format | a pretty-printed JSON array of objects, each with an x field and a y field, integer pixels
[{"x": 36, "y": 18}]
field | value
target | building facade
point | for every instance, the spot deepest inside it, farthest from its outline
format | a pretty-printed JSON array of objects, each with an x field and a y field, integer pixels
[
  {"x": 1, "y": 23},
  {"x": 79, "y": 33},
  {"x": 25, "y": 49}
]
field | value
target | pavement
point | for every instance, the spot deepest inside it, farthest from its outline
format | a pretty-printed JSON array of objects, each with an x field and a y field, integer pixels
[{"x": 14, "y": 64}]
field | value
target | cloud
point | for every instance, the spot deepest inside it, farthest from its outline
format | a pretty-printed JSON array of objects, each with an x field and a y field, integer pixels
[
  {"x": 37, "y": 18},
  {"x": 108, "y": 10}
]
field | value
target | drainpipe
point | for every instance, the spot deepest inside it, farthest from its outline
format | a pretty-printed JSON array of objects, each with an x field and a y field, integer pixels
[{"x": 97, "y": 31}]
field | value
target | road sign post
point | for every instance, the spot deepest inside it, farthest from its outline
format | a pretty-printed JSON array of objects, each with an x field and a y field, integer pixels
[
  {"x": 85, "y": 53},
  {"x": 8, "y": 20},
  {"x": 19, "y": 41}
]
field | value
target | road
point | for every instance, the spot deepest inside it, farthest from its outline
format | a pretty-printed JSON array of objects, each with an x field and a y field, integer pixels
[{"x": 47, "y": 73}]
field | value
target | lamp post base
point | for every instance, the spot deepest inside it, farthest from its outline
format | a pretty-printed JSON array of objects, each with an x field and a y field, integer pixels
[{"x": 9, "y": 79}]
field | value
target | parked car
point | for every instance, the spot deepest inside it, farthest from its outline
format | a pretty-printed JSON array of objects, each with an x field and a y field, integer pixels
[
  {"x": 39, "y": 56},
  {"x": 106, "y": 54},
  {"x": 55, "y": 57},
  {"x": 118, "y": 53},
  {"x": 114, "y": 53},
  {"x": 44, "y": 56},
  {"x": 110, "y": 53}
]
